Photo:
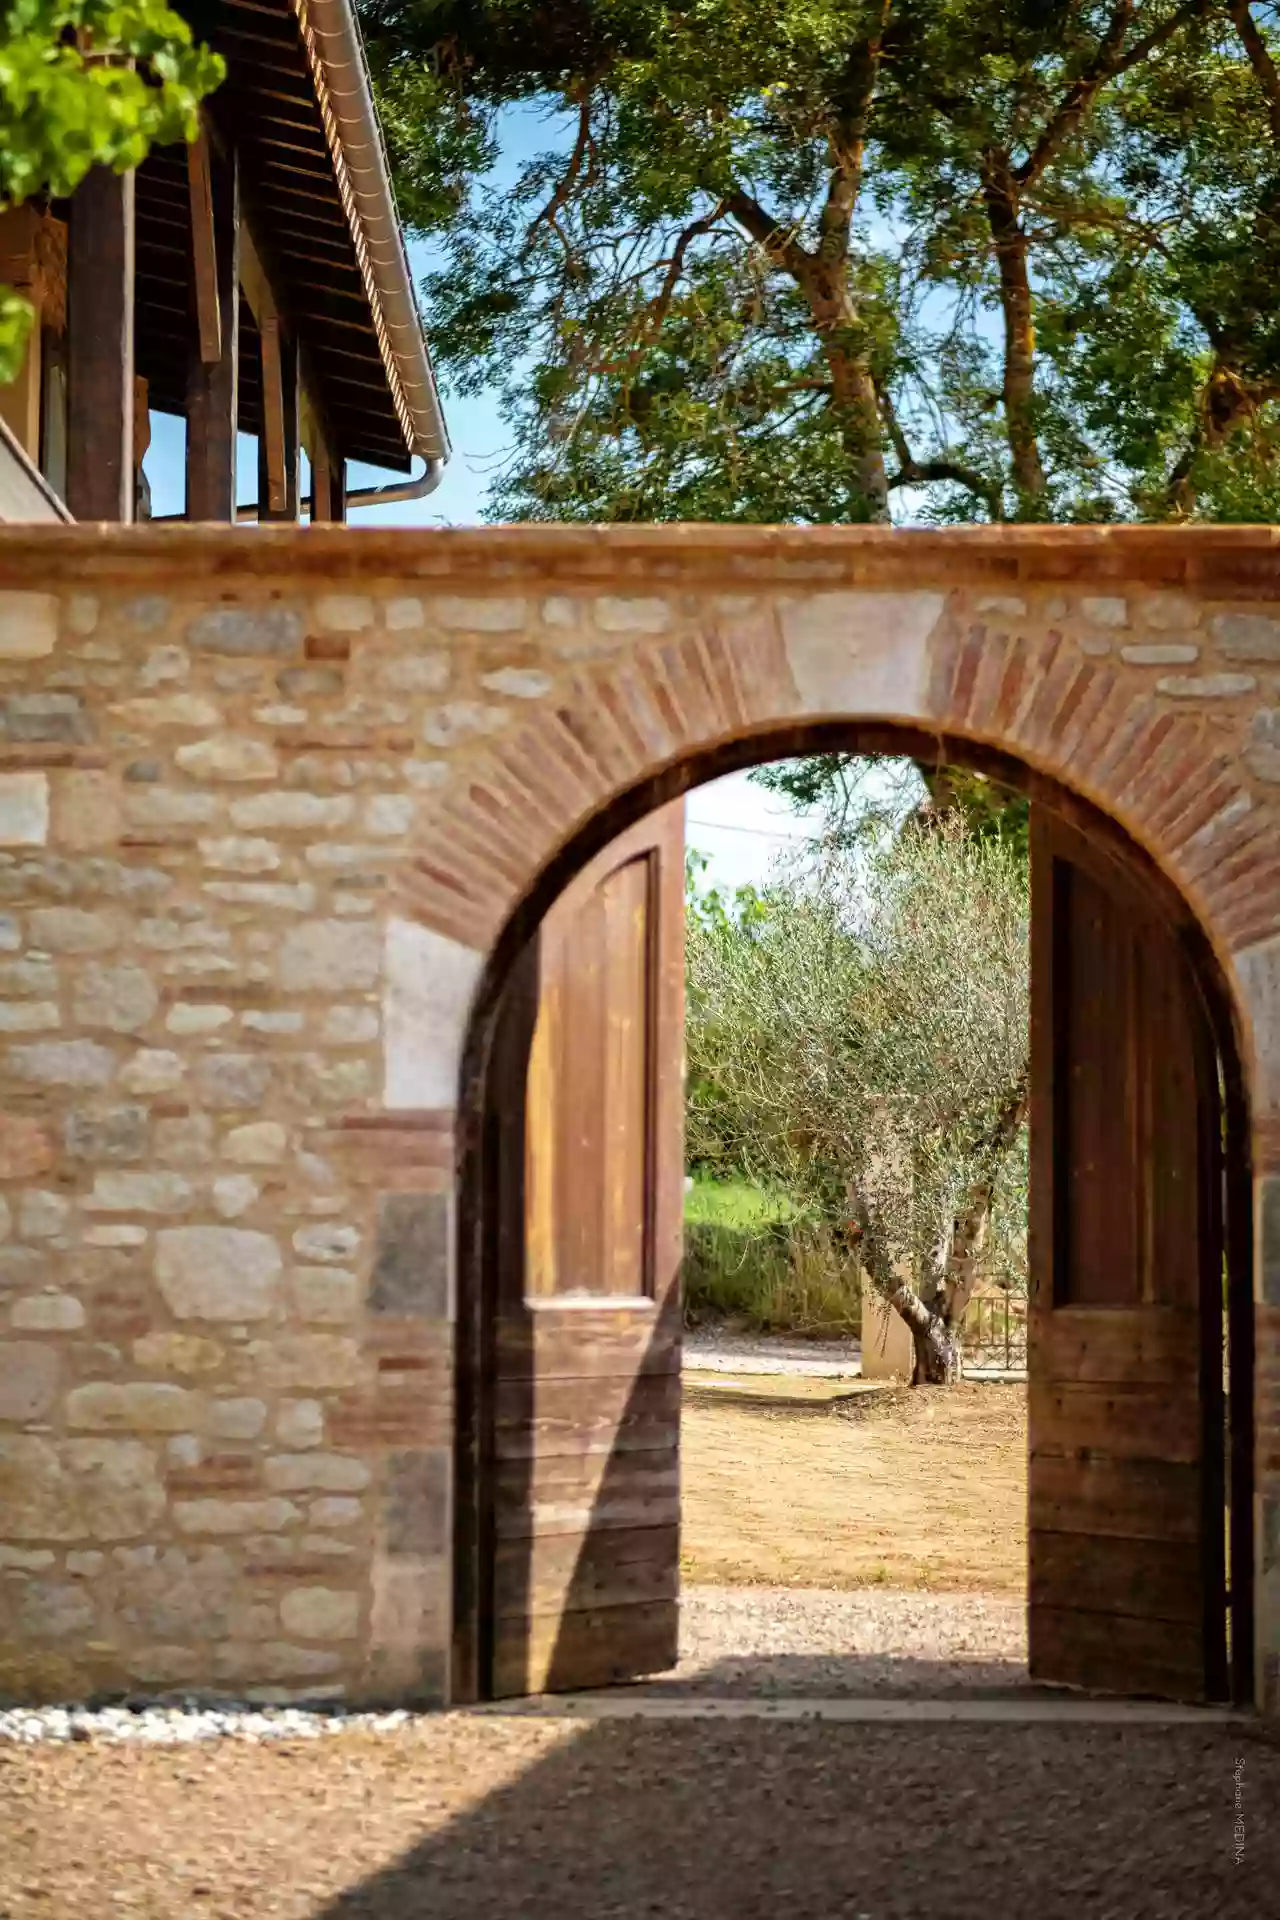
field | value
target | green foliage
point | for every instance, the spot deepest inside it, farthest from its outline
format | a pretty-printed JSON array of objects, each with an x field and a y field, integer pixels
[
  {"x": 752, "y": 1257},
  {"x": 16, "y": 320},
  {"x": 88, "y": 83},
  {"x": 863, "y": 796},
  {"x": 712, "y": 1203},
  {"x": 858, "y": 1045},
  {"x": 744, "y": 907},
  {"x": 808, "y": 260}
]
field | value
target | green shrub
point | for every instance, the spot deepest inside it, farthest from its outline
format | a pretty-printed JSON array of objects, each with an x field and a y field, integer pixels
[{"x": 753, "y": 1257}]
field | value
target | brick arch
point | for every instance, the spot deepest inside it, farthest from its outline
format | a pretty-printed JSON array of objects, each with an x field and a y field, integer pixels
[
  {"x": 992, "y": 677},
  {"x": 1092, "y": 738}
]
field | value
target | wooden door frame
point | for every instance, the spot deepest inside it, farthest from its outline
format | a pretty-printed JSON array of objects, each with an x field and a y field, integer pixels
[{"x": 484, "y": 1136}]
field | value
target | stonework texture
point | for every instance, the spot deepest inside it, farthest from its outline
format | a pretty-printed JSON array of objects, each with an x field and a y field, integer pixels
[{"x": 267, "y": 803}]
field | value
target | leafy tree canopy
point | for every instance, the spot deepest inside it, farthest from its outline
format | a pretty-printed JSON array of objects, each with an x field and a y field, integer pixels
[
  {"x": 87, "y": 83},
  {"x": 857, "y": 1039},
  {"x": 861, "y": 797},
  {"x": 828, "y": 260}
]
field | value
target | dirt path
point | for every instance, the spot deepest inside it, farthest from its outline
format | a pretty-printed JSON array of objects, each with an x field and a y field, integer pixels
[
  {"x": 818, "y": 1483},
  {"x": 507, "y": 1819}
]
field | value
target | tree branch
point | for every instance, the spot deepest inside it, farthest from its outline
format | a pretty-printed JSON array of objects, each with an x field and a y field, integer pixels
[
  {"x": 971, "y": 1217},
  {"x": 1264, "y": 67},
  {"x": 848, "y": 143},
  {"x": 766, "y": 232},
  {"x": 921, "y": 472},
  {"x": 1108, "y": 63},
  {"x": 548, "y": 217},
  {"x": 660, "y": 305},
  {"x": 912, "y": 472}
]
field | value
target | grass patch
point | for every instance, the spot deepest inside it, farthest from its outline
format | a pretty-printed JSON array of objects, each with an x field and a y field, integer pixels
[
  {"x": 751, "y": 1257},
  {"x": 725, "y": 1203}
]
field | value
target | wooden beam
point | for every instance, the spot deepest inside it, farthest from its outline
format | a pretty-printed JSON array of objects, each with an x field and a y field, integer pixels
[
  {"x": 100, "y": 297},
  {"x": 271, "y": 453},
  {"x": 253, "y": 278},
  {"x": 321, "y": 491},
  {"x": 19, "y": 269},
  {"x": 278, "y": 441},
  {"x": 328, "y": 469},
  {"x": 328, "y": 485},
  {"x": 200, "y": 165},
  {"x": 213, "y": 389}
]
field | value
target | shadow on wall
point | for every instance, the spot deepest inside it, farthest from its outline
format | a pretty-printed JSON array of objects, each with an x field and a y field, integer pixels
[{"x": 738, "y": 1820}]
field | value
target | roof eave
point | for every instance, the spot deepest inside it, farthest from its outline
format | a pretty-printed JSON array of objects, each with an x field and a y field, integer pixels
[{"x": 335, "y": 52}]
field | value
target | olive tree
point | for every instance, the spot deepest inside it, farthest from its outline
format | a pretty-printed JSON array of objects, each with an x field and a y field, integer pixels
[{"x": 858, "y": 1037}]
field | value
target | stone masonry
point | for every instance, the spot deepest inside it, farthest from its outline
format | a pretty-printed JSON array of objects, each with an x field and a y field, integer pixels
[{"x": 266, "y": 804}]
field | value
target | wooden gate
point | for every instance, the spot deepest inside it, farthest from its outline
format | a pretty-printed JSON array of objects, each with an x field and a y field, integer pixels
[
  {"x": 1127, "y": 1498},
  {"x": 588, "y": 1079}
]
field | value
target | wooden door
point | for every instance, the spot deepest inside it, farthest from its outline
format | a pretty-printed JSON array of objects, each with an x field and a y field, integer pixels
[
  {"x": 1127, "y": 1521},
  {"x": 585, "y": 1431}
]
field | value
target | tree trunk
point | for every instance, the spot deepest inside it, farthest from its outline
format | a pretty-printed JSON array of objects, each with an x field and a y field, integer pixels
[
  {"x": 1000, "y": 197},
  {"x": 858, "y": 410},
  {"x": 939, "y": 1360},
  {"x": 935, "y": 1313},
  {"x": 823, "y": 279},
  {"x": 839, "y": 325}
]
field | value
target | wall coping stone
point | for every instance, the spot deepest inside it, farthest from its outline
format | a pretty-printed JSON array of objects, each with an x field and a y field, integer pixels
[{"x": 1216, "y": 562}]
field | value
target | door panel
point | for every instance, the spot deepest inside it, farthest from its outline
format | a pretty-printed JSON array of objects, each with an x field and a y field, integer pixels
[
  {"x": 1127, "y": 1534},
  {"x": 584, "y": 1561},
  {"x": 589, "y": 1108}
]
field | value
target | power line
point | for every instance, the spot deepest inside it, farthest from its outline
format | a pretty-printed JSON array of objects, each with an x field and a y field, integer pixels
[{"x": 764, "y": 833}]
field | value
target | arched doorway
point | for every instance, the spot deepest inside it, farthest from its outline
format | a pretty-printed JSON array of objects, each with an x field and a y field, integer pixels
[{"x": 567, "y": 1503}]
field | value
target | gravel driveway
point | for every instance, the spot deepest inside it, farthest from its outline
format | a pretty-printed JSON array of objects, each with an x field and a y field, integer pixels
[
  {"x": 510, "y": 1816},
  {"x": 470, "y": 1818},
  {"x": 714, "y": 1349},
  {"x": 774, "y": 1641}
]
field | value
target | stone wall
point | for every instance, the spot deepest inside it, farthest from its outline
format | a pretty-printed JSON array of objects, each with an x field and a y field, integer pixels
[{"x": 266, "y": 803}]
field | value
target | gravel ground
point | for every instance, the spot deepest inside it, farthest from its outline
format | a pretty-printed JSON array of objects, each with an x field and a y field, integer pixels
[
  {"x": 773, "y": 1641},
  {"x": 735, "y": 1643},
  {"x": 503, "y": 1818},
  {"x": 715, "y": 1349}
]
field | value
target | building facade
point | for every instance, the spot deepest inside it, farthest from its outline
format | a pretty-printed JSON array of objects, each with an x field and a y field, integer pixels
[{"x": 254, "y": 283}]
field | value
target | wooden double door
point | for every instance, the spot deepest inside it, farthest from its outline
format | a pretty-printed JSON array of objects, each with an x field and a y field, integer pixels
[{"x": 579, "y": 1560}]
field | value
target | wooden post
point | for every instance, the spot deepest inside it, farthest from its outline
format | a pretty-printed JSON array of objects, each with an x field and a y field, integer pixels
[
  {"x": 100, "y": 294},
  {"x": 278, "y": 441},
  {"x": 213, "y": 376},
  {"x": 328, "y": 484},
  {"x": 320, "y": 476},
  {"x": 200, "y": 168}
]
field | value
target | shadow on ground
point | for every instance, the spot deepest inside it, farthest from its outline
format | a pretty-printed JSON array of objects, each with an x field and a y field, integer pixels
[
  {"x": 819, "y": 1404},
  {"x": 846, "y": 1676},
  {"x": 737, "y": 1820}
]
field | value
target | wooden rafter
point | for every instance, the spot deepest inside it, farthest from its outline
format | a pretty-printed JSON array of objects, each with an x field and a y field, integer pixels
[{"x": 204, "y": 249}]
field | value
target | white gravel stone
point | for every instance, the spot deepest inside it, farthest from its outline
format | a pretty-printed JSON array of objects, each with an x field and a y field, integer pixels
[{"x": 186, "y": 1724}]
